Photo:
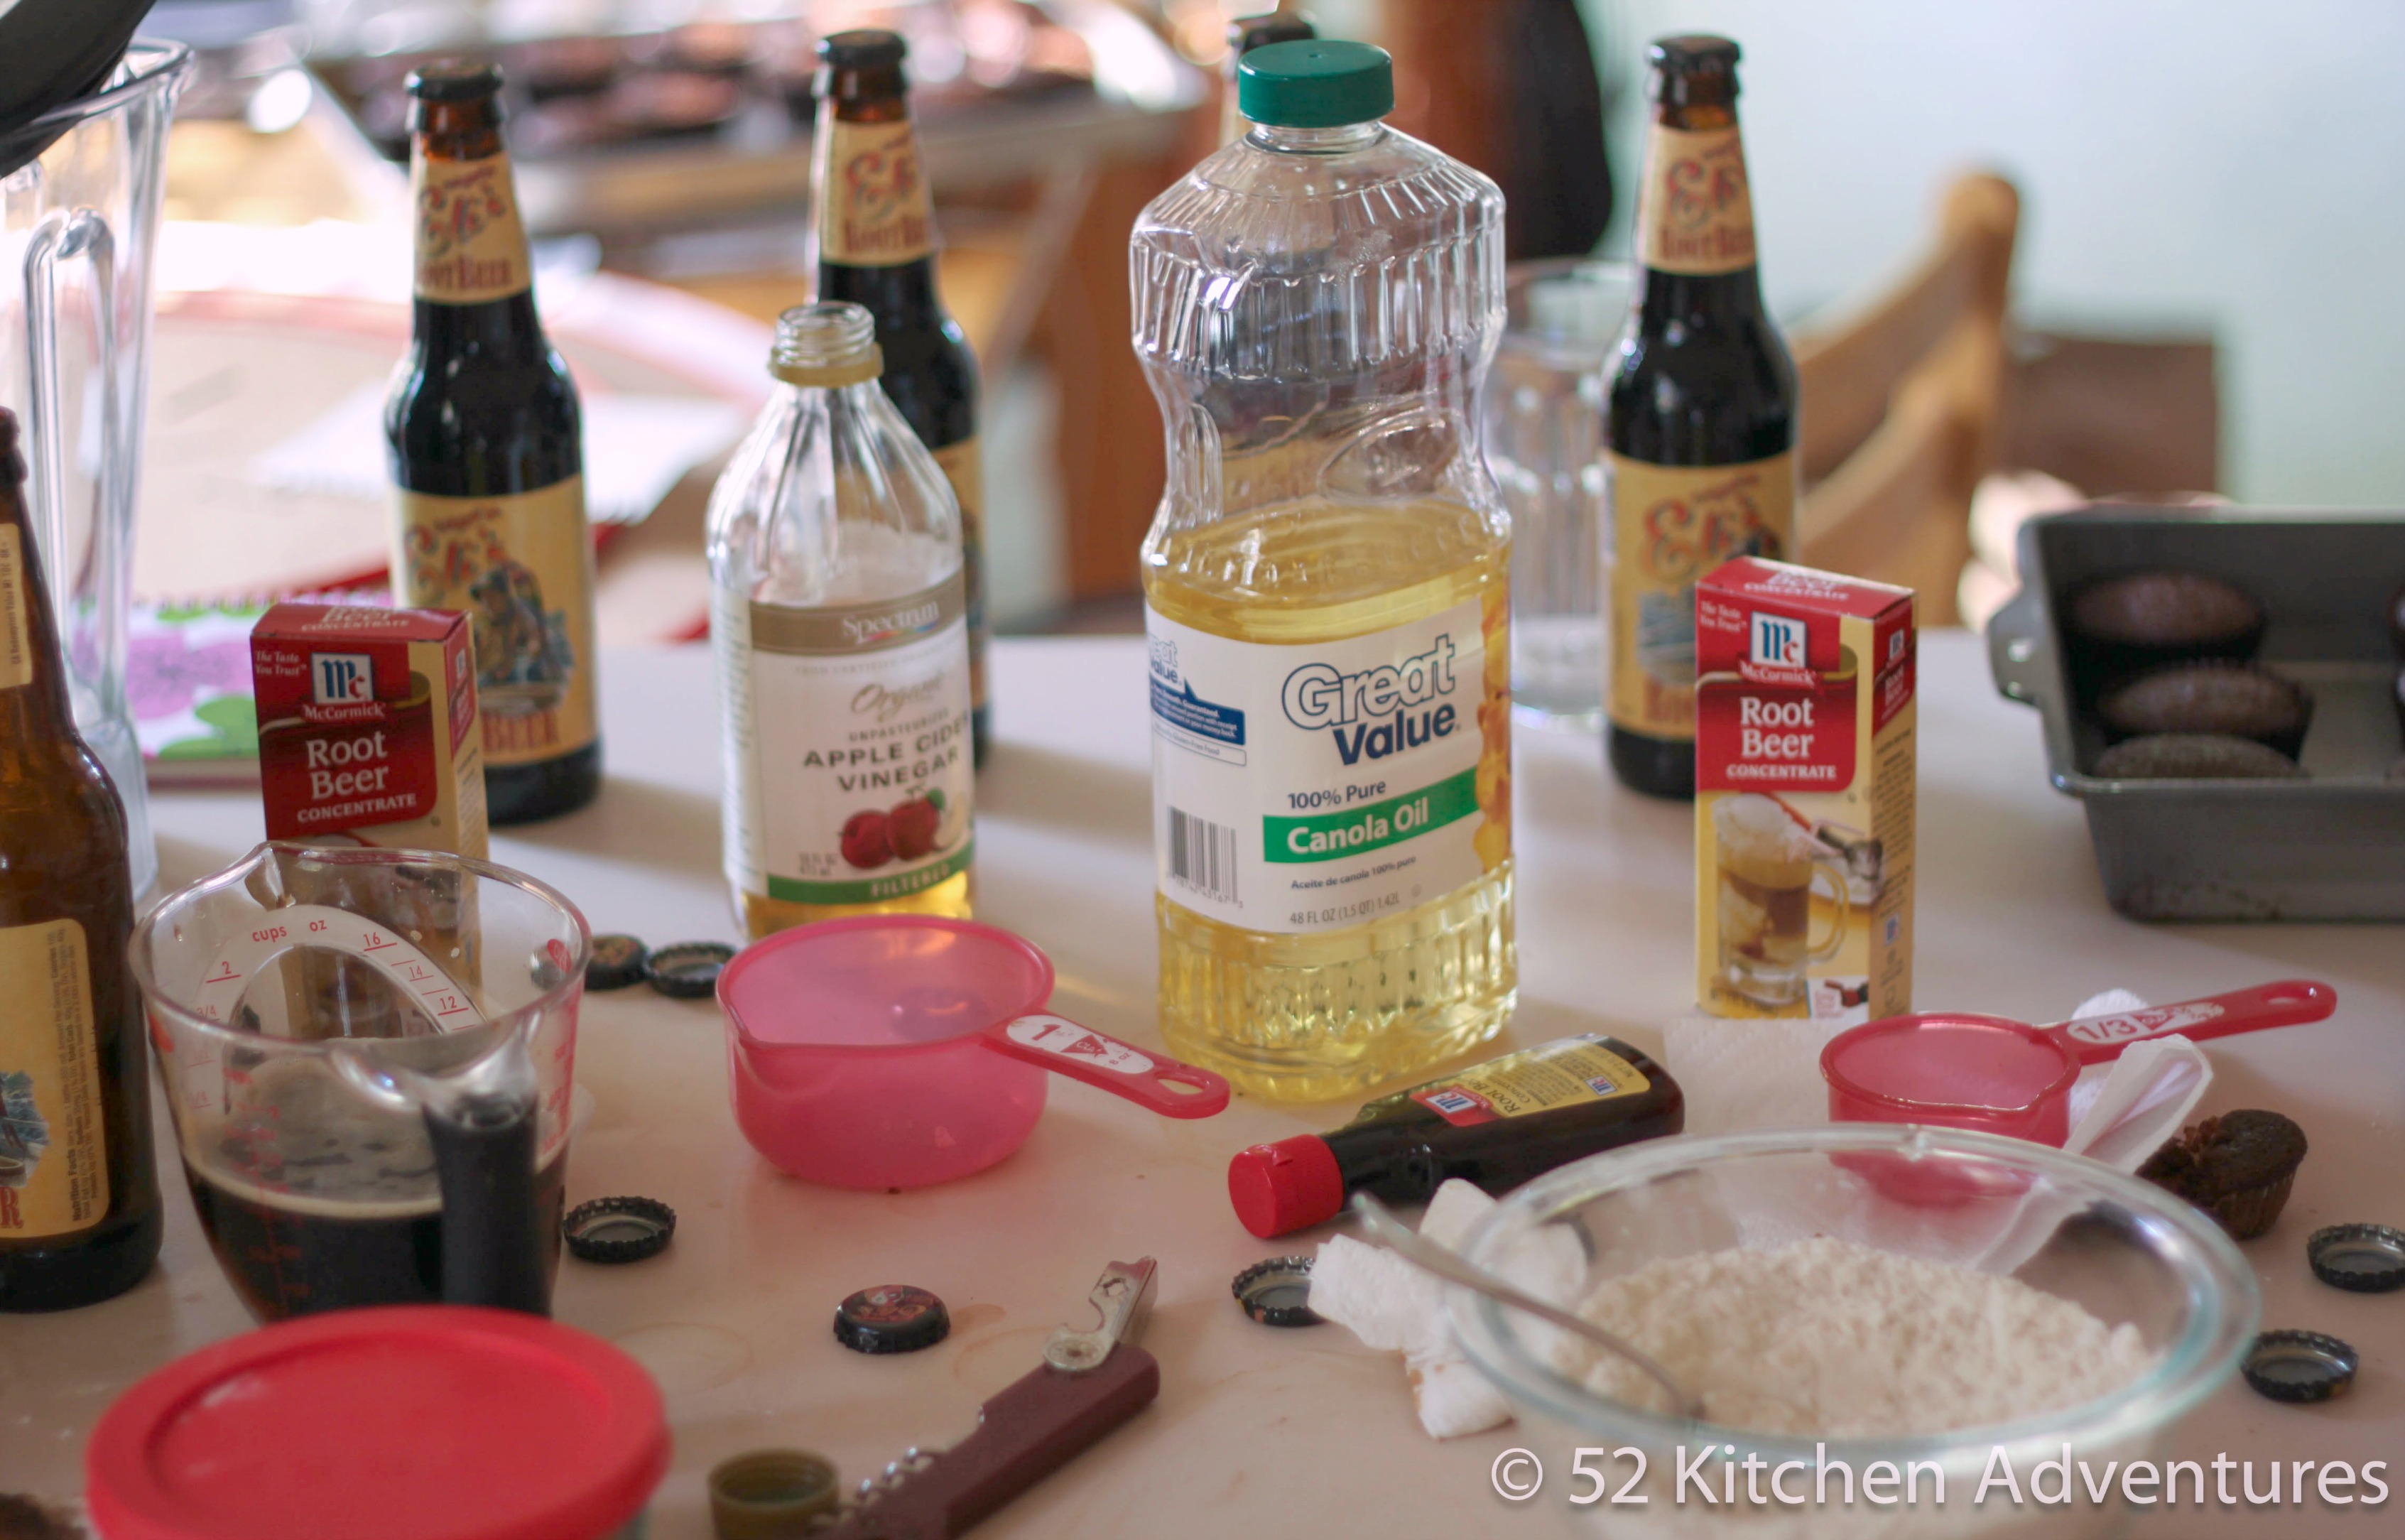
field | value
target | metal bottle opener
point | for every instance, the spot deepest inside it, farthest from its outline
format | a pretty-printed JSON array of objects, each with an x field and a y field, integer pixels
[{"x": 1088, "y": 1383}]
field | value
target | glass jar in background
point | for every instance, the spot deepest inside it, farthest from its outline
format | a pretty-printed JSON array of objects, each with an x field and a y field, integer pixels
[{"x": 1544, "y": 447}]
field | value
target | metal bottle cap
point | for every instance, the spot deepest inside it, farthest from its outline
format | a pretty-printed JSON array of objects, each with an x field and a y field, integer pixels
[
  {"x": 1278, "y": 1293},
  {"x": 688, "y": 970},
  {"x": 2299, "y": 1366},
  {"x": 2363, "y": 1259},
  {"x": 892, "y": 1318},
  {"x": 615, "y": 962},
  {"x": 614, "y": 1230}
]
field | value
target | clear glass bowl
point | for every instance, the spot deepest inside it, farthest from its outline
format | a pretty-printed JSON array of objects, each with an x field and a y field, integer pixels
[{"x": 2123, "y": 1249}]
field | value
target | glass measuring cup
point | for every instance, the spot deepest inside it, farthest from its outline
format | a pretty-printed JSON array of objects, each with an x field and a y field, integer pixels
[
  {"x": 907, "y": 1050},
  {"x": 1998, "y": 1076},
  {"x": 368, "y": 1055}
]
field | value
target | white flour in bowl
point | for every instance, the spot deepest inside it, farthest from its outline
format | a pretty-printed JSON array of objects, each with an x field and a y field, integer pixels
[{"x": 1827, "y": 1338}]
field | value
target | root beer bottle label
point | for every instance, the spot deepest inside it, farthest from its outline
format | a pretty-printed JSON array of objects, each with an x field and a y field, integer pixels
[
  {"x": 521, "y": 569},
  {"x": 79, "y": 1194},
  {"x": 1670, "y": 526},
  {"x": 876, "y": 231},
  {"x": 487, "y": 458},
  {"x": 1699, "y": 424},
  {"x": 874, "y": 211},
  {"x": 471, "y": 246}
]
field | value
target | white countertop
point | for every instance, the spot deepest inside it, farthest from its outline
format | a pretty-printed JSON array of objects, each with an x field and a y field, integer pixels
[{"x": 1258, "y": 1433}]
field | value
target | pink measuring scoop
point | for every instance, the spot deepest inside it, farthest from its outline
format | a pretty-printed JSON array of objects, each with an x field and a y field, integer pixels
[
  {"x": 904, "y": 1049},
  {"x": 1998, "y": 1075}
]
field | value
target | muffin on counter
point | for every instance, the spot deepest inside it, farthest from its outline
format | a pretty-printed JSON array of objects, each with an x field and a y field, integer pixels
[{"x": 2238, "y": 1167}]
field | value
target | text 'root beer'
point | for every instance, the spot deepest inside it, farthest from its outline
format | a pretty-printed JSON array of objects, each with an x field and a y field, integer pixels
[
  {"x": 368, "y": 727},
  {"x": 1805, "y": 732}
]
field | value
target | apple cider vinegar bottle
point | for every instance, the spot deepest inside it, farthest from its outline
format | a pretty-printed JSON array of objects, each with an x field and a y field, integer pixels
[
  {"x": 839, "y": 624},
  {"x": 1326, "y": 585}
]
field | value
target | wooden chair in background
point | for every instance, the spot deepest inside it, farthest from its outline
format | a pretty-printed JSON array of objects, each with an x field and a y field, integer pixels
[{"x": 1900, "y": 404}]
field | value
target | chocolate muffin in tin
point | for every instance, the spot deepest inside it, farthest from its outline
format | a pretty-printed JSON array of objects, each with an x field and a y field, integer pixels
[
  {"x": 2239, "y": 699},
  {"x": 2118, "y": 626},
  {"x": 2194, "y": 756}
]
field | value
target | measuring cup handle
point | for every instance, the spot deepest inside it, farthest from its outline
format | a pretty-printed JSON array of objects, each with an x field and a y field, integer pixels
[
  {"x": 1835, "y": 868},
  {"x": 1057, "y": 1043},
  {"x": 2287, "y": 1003}
]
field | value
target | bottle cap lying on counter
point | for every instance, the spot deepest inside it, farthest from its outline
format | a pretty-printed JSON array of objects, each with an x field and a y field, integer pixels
[{"x": 406, "y": 1422}]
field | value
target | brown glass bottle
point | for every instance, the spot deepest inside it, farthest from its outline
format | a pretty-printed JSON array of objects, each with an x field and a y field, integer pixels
[
  {"x": 1493, "y": 1124},
  {"x": 487, "y": 457},
  {"x": 79, "y": 1195},
  {"x": 876, "y": 232},
  {"x": 1699, "y": 426}
]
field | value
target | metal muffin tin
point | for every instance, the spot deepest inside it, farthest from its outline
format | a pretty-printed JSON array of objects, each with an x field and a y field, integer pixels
[{"x": 2328, "y": 847}]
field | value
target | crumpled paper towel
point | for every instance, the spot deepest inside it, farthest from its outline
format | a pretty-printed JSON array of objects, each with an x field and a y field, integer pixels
[
  {"x": 2125, "y": 1110},
  {"x": 1392, "y": 1305},
  {"x": 1738, "y": 1074}
]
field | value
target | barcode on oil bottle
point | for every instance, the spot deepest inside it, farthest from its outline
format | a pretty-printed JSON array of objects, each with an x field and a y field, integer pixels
[{"x": 1202, "y": 856}]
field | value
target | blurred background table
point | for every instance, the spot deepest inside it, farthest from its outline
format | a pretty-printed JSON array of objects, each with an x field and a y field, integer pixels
[{"x": 1257, "y": 1431}]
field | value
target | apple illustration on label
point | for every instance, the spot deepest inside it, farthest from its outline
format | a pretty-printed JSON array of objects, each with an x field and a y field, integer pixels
[
  {"x": 912, "y": 825},
  {"x": 867, "y": 840}
]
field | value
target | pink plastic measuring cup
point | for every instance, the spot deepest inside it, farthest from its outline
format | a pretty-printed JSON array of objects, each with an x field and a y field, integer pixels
[
  {"x": 904, "y": 1049},
  {"x": 1998, "y": 1075}
]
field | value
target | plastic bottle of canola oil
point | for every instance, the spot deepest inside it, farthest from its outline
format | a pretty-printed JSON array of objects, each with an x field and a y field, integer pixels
[{"x": 1326, "y": 589}]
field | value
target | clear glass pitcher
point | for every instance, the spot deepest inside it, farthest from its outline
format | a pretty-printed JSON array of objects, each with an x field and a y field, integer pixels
[
  {"x": 1544, "y": 445},
  {"x": 370, "y": 1054},
  {"x": 78, "y": 215}
]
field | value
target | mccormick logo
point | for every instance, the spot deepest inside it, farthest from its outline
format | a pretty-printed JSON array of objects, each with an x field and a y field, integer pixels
[
  {"x": 341, "y": 679},
  {"x": 1778, "y": 642}
]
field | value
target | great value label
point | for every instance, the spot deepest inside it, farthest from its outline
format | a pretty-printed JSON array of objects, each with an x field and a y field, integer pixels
[{"x": 1309, "y": 788}]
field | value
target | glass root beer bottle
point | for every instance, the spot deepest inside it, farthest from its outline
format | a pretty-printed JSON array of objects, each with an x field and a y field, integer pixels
[
  {"x": 874, "y": 227},
  {"x": 1699, "y": 427},
  {"x": 79, "y": 1195},
  {"x": 487, "y": 457}
]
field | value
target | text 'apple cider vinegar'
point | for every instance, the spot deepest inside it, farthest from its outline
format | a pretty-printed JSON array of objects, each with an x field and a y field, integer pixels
[{"x": 1326, "y": 586}]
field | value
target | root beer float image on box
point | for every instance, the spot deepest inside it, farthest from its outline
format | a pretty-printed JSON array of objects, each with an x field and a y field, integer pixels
[
  {"x": 1805, "y": 727},
  {"x": 367, "y": 728}
]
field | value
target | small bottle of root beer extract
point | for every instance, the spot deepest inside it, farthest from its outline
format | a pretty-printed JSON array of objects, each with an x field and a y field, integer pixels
[
  {"x": 839, "y": 621},
  {"x": 1495, "y": 1125}
]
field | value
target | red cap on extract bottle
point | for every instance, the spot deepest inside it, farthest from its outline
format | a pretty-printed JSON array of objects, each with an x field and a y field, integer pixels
[{"x": 1286, "y": 1186}]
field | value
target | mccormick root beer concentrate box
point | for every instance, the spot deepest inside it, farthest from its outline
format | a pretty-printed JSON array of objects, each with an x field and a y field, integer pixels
[
  {"x": 367, "y": 726},
  {"x": 1804, "y": 793}
]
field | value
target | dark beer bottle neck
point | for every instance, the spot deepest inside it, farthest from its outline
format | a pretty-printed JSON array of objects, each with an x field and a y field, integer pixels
[
  {"x": 902, "y": 297},
  {"x": 504, "y": 331}
]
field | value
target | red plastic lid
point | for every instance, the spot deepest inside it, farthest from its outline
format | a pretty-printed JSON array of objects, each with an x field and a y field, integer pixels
[
  {"x": 1286, "y": 1185},
  {"x": 405, "y": 1422}
]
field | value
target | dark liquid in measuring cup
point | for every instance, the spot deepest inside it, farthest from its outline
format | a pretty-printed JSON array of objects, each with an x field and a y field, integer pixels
[
  {"x": 315, "y": 1200},
  {"x": 290, "y": 1256}
]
